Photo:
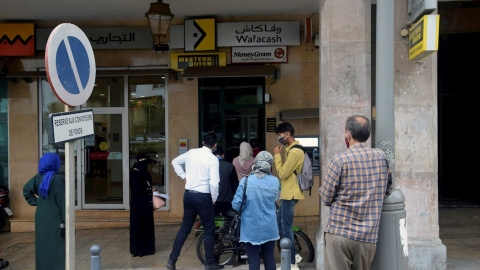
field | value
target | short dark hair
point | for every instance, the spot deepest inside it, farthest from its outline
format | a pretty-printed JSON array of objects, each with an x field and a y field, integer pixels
[
  {"x": 210, "y": 140},
  {"x": 285, "y": 127},
  {"x": 254, "y": 143},
  {"x": 218, "y": 151},
  {"x": 359, "y": 127}
]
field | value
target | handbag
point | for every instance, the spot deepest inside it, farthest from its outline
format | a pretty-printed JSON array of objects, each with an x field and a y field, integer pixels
[
  {"x": 234, "y": 233},
  {"x": 157, "y": 202}
]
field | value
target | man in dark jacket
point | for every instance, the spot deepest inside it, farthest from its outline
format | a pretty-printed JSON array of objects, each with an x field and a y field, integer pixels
[{"x": 228, "y": 184}]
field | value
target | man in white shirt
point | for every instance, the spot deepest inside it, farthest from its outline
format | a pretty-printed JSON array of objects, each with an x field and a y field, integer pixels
[{"x": 201, "y": 179}]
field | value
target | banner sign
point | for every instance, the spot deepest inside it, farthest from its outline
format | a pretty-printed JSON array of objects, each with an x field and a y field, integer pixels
[
  {"x": 246, "y": 34},
  {"x": 235, "y": 34},
  {"x": 69, "y": 126},
  {"x": 17, "y": 39},
  {"x": 242, "y": 55},
  {"x": 423, "y": 37},
  {"x": 181, "y": 61},
  {"x": 107, "y": 38}
]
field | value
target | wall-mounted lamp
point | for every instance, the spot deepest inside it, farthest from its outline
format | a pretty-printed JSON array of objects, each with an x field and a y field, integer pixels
[{"x": 159, "y": 17}]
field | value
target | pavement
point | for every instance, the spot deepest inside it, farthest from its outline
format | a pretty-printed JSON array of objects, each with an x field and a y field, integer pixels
[{"x": 459, "y": 231}]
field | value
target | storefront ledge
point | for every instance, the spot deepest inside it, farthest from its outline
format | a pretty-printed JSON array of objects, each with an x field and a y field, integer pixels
[{"x": 110, "y": 219}]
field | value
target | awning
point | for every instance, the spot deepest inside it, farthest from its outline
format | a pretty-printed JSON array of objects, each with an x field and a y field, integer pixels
[
  {"x": 101, "y": 72},
  {"x": 299, "y": 114},
  {"x": 231, "y": 71}
]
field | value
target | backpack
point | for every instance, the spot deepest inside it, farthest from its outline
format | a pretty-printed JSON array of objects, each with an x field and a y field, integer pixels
[{"x": 305, "y": 178}]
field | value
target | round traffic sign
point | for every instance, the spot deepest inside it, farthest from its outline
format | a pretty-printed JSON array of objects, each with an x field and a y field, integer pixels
[{"x": 70, "y": 64}]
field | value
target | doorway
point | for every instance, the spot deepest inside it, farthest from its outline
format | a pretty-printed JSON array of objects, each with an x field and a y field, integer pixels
[{"x": 233, "y": 109}]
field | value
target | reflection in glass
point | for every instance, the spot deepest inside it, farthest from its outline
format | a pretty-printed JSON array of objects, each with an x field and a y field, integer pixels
[
  {"x": 104, "y": 181},
  {"x": 3, "y": 133},
  {"x": 107, "y": 92},
  {"x": 147, "y": 124}
]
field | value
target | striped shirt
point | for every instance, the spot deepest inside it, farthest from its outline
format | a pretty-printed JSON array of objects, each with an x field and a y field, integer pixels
[{"x": 355, "y": 185}]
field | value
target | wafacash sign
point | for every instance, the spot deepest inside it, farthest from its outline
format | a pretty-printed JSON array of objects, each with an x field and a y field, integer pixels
[{"x": 236, "y": 34}]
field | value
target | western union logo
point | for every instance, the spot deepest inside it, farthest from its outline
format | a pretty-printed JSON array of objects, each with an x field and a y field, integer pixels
[
  {"x": 181, "y": 61},
  {"x": 200, "y": 34}
]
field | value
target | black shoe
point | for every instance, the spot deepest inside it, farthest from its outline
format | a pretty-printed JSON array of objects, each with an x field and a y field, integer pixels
[
  {"x": 171, "y": 265},
  {"x": 214, "y": 267}
]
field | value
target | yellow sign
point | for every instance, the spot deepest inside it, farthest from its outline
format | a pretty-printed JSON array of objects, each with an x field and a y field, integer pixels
[
  {"x": 200, "y": 35},
  {"x": 181, "y": 61},
  {"x": 423, "y": 37}
]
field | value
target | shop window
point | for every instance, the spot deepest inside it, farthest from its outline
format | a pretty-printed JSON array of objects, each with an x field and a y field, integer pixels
[
  {"x": 3, "y": 133},
  {"x": 147, "y": 101}
]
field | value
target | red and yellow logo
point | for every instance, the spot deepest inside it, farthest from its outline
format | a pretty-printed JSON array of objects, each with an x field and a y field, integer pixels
[{"x": 17, "y": 39}]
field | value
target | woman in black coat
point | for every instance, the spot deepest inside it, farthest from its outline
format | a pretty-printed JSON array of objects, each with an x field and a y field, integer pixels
[{"x": 142, "y": 234}]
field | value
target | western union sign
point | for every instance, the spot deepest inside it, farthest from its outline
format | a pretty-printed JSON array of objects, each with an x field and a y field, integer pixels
[
  {"x": 200, "y": 35},
  {"x": 181, "y": 61},
  {"x": 423, "y": 37}
]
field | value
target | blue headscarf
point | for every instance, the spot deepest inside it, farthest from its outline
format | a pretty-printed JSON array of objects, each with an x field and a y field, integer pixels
[{"x": 49, "y": 165}]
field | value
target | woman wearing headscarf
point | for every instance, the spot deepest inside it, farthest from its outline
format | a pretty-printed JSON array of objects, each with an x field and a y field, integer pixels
[
  {"x": 258, "y": 229},
  {"x": 243, "y": 163},
  {"x": 46, "y": 191},
  {"x": 142, "y": 232}
]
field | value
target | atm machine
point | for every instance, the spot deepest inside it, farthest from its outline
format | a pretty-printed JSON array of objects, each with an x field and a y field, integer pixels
[{"x": 311, "y": 146}]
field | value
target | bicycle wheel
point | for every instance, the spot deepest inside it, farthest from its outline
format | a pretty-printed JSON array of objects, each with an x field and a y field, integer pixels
[
  {"x": 222, "y": 250},
  {"x": 304, "y": 246}
]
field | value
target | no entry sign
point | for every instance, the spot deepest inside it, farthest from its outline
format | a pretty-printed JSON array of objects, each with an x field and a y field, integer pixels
[{"x": 70, "y": 64}]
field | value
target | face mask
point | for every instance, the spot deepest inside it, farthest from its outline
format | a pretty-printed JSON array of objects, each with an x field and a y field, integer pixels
[
  {"x": 282, "y": 140},
  {"x": 347, "y": 142}
]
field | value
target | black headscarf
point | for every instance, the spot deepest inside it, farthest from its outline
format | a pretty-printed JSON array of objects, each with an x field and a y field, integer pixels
[{"x": 142, "y": 165}]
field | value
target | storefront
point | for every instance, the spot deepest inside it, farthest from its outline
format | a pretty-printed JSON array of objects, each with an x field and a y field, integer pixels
[{"x": 141, "y": 104}]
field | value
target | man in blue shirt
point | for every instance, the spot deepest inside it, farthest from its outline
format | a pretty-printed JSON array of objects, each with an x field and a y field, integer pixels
[{"x": 201, "y": 179}]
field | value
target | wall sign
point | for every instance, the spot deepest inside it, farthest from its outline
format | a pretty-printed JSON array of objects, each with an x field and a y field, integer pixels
[
  {"x": 423, "y": 37},
  {"x": 181, "y": 61},
  {"x": 107, "y": 38},
  {"x": 417, "y": 8},
  {"x": 242, "y": 55},
  {"x": 271, "y": 124},
  {"x": 200, "y": 35},
  {"x": 17, "y": 39},
  {"x": 240, "y": 34}
]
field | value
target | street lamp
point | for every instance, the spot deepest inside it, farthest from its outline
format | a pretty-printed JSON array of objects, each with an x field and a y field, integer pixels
[{"x": 159, "y": 17}]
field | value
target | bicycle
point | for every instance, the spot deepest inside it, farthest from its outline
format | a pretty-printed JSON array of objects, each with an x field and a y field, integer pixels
[{"x": 225, "y": 250}]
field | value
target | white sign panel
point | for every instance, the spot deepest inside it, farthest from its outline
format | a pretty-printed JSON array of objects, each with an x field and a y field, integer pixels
[
  {"x": 418, "y": 8},
  {"x": 70, "y": 126},
  {"x": 235, "y": 34},
  {"x": 274, "y": 54}
]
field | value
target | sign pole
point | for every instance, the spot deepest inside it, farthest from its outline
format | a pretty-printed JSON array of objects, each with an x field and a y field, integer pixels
[{"x": 69, "y": 203}]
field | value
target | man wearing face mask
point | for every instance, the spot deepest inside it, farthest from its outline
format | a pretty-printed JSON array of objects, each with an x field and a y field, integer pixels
[
  {"x": 290, "y": 191},
  {"x": 355, "y": 185}
]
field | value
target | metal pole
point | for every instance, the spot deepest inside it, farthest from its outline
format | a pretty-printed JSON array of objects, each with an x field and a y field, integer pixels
[
  {"x": 285, "y": 260},
  {"x": 69, "y": 204},
  {"x": 96, "y": 260},
  {"x": 385, "y": 118}
]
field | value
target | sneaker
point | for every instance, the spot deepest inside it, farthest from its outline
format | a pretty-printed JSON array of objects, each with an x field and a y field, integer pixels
[
  {"x": 292, "y": 267},
  {"x": 298, "y": 258}
]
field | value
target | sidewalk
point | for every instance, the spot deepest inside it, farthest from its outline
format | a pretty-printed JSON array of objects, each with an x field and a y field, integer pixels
[{"x": 459, "y": 231}]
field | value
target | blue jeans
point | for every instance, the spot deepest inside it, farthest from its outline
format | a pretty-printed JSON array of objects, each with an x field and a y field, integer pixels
[
  {"x": 195, "y": 203},
  {"x": 285, "y": 222},
  {"x": 266, "y": 249}
]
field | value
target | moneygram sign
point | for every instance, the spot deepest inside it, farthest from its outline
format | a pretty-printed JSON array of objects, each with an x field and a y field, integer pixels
[{"x": 274, "y": 54}]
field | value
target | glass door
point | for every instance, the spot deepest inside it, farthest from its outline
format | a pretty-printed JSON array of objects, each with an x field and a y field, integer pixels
[{"x": 105, "y": 157}]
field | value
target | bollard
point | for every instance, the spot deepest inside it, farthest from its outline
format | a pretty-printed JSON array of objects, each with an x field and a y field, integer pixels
[
  {"x": 392, "y": 245},
  {"x": 285, "y": 260},
  {"x": 95, "y": 257}
]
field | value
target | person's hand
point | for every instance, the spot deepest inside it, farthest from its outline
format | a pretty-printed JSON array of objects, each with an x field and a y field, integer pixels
[
  {"x": 213, "y": 202},
  {"x": 277, "y": 149},
  {"x": 185, "y": 180}
]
